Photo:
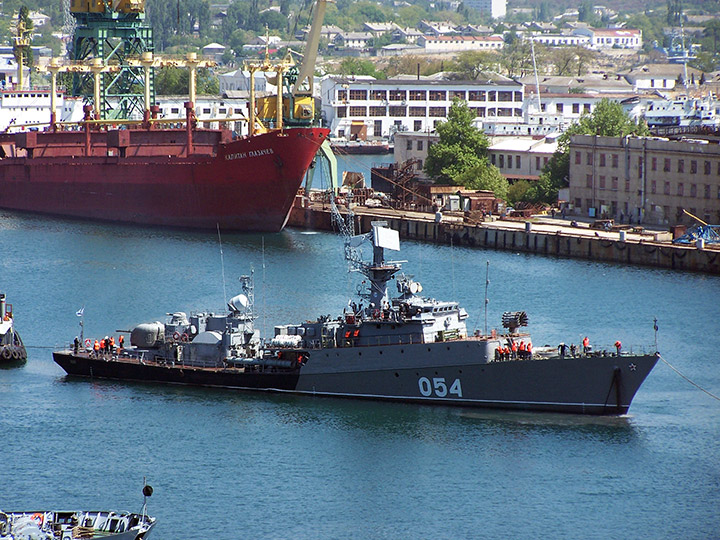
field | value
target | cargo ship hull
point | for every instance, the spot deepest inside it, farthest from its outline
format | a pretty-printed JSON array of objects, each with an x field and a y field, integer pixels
[
  {"x": 595, "y": 385},
  {"x": 171, "y": 177}
]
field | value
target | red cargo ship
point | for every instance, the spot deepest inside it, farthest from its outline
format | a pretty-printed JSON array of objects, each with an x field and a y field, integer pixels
[{"x": 199, "y": 178}]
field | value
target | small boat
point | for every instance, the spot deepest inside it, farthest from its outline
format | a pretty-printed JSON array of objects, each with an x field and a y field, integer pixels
[
  {"x": 71, "y": 525},
  {"x": 409, "y": 348},
  {"x": 12, "y": 349},
  {"x": 51, "y": 525}
]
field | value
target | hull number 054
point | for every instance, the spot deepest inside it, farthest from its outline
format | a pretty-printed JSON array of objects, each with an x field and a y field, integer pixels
[{"x": 439, "y": 387}]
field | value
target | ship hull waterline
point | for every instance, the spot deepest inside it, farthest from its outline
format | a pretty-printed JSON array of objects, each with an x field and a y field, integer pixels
[
  {"x": 247, "y": 184},
  {"x": 602, "y": 385}
]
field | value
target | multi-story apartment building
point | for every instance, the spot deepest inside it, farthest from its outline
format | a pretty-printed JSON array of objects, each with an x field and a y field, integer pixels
[
  {"x": 390, "y": 106},
  {"x": 495, "y": 8},
  {"x": 612, "y": 38},
  {"x": 646, "y": 179}
]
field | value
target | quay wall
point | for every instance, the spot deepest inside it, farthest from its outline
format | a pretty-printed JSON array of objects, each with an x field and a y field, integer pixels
[{"x": 497, "y": 235}]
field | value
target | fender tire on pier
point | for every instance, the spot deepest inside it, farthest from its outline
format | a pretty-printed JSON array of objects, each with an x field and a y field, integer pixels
[
  {"x": 16, "y": 354},
  {"x": 6, "y": 353}
]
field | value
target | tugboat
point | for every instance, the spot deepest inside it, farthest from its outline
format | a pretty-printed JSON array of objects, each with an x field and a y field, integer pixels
[
  {"x": 12, "y": 350},
  {"x": 409, "y": 348},
  {"x": 71, "y": 525}
]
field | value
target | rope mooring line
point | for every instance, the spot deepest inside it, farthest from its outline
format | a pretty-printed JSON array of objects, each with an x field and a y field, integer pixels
[{"x": 688, "y": 379}]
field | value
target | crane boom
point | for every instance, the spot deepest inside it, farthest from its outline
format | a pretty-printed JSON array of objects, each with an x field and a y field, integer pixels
[{"x": 304, "y": 83}]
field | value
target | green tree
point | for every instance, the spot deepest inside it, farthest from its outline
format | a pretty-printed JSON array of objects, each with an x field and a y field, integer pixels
[
  {"x": 608, "y": 120},
  {"x": 517, "y": 191},
  {"x": 485, "y": 176},
  {"x": 357, "y": 66},
  {"x": 461, "y": 146},
  {"x": 469, "y": 65}
]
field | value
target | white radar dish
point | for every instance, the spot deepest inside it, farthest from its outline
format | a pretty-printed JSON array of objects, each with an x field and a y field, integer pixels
[
  {"x": 239, "y": 302},
  {"x": 414, "y": 287},
  {"x": 386, "y": 238}
]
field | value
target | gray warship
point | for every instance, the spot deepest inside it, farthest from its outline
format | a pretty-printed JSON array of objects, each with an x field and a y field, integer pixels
[{"x": 407, "y": 348}]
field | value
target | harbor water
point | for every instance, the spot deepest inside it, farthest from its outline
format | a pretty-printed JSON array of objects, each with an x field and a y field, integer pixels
[{"x": 226, "y": 464}]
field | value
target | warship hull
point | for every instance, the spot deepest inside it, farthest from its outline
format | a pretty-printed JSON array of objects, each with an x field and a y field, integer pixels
[
  {"x": 200, "y": 179},
  {"x": 456, "y": 373}
]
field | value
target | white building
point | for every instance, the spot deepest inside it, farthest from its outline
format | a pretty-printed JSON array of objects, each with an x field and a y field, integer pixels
[
  {"x": 385, "y": 107},
  {"x": 495, "y": 8},
  {"x": 561, "y": 40},
  {"x": 460, "y": 43},
  {"x": 660, "y": 76},
  {"x": 618, "y": 38},
  {"x": 8, "y": 71},
  {"x": 521, "y": 158},
  {"x": 239, "y": 81},
  {"x": 33, "y": 107},
  {"x": 354, "y": 40}
]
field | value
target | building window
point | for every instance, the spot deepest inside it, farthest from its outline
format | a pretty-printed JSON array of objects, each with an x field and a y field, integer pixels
[
  {"x": 505, "y": 96},
  {"x": 477, "y": 95},
  {"x": 417, "y": 95},
  {"x": 492, "y": 95},
  {"x": 681, "y": 165},
  {"x": 586, "y": 108},
  {"x": 602, "y": 160},
  {"x": 398, "y": 95},
  {"x": 707, "y": 167},
  {"x": 417, "y": 111},
  {"x": 378, "y": 95},
  {"x": 667, "y": 188},
  {"x": 693, "y": 166},
  {"x": 437, "y": 95},
  {"x": 356, "y": 94},
  {"x": 509, "y": 162},
  {"x": 588, "y": 180},
  {"x": 437, "y": 111},
  {"x": 601, "y": 182},
  {"x": 707, "y": 191},
  {"x": 358, "y": 111},
  {"x": 378, "y": 110},
  {"x": 615, "y": 161},
  {"x": 409, "y": 144},
  {"x": 589, "y": 158},
  {"x": 342, "y": 95},
  {"x": 517, "y": 162},
  {"x": 578, "y": 202},
  {"x": 653, "y": 164},
  {"x": 576, "y": 108},
  {"x": 653, "y": 186},
  {"x": 417, "y": 125},
  {"x": 502, "y": 161},
  {"x": 479, "y": 111},
  {"x": 693, "y": 189},
  {"x": 627, "y": 186},
  {"x": 615, "y": 182},
  {"x": 397, "y": 110},
  {"x": 577, "y": 158},
  {"x": 342, "y": 113},
  {"x": 460, "y": 94},
  {"x": 537, "y": 162},
  {"x": 492, "y": 159},
  {"x": 666, "y": 165},
  {"x": 681, "y": 188},
  {"x": 559, "y": 108},
  {"x": 420, "y": 145}
]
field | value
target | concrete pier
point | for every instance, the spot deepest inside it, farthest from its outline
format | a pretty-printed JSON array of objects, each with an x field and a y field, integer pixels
[{"x": 544, "y": 236}]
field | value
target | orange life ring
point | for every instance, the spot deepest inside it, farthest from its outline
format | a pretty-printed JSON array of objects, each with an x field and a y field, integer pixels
[
  {"x": 88, "y": 343},
  {"x": 184, "y": 338},
  {"x": 176, "y": 336},
  {"x": 38, "y": 518}
]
